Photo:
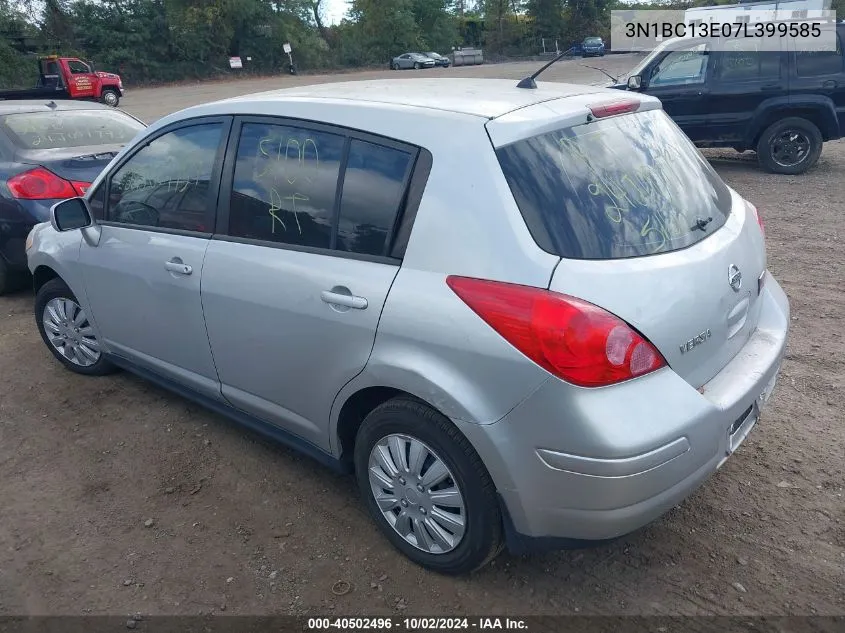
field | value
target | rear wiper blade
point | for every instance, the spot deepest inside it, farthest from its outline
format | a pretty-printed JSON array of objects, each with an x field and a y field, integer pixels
[
  {"x": 701, "y": 224},
  {"x": 97, "y": 156}
]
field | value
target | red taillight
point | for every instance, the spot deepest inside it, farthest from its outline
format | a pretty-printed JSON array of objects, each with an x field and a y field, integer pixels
[
  {"x": 572, "y": 339},
  {"x": 40, "y": 184},
  {"x": 613, "y": 108}
]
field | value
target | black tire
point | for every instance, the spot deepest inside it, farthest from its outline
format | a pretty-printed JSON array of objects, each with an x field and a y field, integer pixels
[
  {"x": 56, "y": 289},
  {"x": 417, "y": 66},
  {"x": 803, "y": 129},
  {"x": 110, "y": 97},
  {"x": 483, "y": 537},
  {"x": 393, "y": 66}
]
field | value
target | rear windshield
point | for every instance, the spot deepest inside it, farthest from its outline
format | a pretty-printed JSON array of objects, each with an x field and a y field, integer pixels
[
  {"x": 69, "y": 128},
  {"x": 626, "y": 186}
]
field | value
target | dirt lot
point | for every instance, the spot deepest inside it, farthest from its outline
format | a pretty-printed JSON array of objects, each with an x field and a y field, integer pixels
[{"x": 254, "y": 529}]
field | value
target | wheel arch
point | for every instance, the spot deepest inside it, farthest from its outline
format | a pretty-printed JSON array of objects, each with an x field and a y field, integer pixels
[
  {"x": 354, "y": 407},
  {"x": 818, "y": 111},
  {"x": 42, "y": 274}
]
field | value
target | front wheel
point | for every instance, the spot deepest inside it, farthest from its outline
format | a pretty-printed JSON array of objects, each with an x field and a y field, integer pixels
[
  {"x": 110, "y": 98},
  {"x": 417, "y": 66},
  {"x": 67, "y": 332},
  {"x": 790, "y": 146},
  {"x": 427, "y": 489}
]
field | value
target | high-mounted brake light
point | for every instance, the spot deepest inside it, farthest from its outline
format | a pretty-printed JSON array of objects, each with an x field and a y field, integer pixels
[
  {"x": 570, "y": 338},
  {"x": 42, "y": 184},
  {"x": 612, "y": 108}
]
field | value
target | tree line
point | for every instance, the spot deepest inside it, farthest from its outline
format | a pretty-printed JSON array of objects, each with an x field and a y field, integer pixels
[{"x": 151, "y": 41}]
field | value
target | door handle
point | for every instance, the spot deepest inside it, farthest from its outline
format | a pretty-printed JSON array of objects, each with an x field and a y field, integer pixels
[
  {"x": 830, "y": 84},
  {"x": 176, "y": 265},
  {"x": 770, "y": 87},
  {"x": 337, "y": 296}
]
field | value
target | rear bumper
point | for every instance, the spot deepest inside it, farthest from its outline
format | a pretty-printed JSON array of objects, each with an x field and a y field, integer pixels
[{"x": 604, "y": 462}]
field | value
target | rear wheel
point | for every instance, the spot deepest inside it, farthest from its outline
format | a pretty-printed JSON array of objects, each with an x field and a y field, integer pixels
[
  {"x": 426, "y": 488},
  {"x": 67, "y": 332},
  {"x": 110, "y": 97},
  {"x": 790, "y": 146}
]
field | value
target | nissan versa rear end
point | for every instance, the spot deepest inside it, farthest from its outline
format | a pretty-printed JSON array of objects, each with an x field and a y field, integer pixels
[
  {"x": 661, "y": 327},
  {"x": 522, "y": 317}
]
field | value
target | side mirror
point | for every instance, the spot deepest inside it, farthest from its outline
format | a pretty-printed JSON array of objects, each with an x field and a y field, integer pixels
[
  {"x": 635, "y": 82},
  {"x": 70, "y": 214}
]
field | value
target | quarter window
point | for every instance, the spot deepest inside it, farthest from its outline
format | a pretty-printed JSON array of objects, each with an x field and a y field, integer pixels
[
  {"x": 166, "y": 184},
  {"x": 285, "y": 185},
  {"x": 373, "y": 187}
]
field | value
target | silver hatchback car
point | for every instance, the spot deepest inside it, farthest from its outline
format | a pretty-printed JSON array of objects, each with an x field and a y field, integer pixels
[{"x": 522, "y": 317}]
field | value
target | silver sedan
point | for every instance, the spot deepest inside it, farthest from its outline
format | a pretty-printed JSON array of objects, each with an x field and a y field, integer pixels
[{"x": 411, "y": 60}]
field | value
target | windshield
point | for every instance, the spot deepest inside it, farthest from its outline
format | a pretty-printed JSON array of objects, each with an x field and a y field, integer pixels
[
  {"x": 434, "y": 55},
  {"x": 627, "y": 186},
  {"x": 66, "y": 129},
  {"x": 592, "y": 41}
]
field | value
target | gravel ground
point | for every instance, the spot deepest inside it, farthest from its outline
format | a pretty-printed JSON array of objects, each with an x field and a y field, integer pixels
[{"x": 120, "y": 498}]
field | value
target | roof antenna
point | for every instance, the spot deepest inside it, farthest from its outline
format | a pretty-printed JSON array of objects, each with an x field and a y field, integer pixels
[
  {"x": 605, "y": 73},
  {"x": 529, "y": 82}
]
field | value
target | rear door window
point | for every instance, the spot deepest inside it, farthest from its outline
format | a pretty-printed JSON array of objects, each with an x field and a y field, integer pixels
[
  {"x": 742, "y": 61},
  {"x": 626, "y": 186},
  {"x": 320, "y": 187},
  {"x": 817, "y": 63},
  {"x": 285, "y": 185}
]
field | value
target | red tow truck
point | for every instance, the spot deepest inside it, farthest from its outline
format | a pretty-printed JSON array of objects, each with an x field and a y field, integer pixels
[{"x": 70, "y": 78}]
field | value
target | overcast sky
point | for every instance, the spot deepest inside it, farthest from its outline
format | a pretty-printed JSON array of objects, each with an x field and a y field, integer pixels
[{"x": 335, "y": 10}]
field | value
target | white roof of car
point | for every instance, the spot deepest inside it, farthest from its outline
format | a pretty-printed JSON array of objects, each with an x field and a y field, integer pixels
[
  {"x": 424, "y": 112},
  {"x": 488, "y": 98}
]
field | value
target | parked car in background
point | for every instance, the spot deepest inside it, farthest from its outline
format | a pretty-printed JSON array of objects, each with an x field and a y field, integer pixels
[
  {"x": 782, "y": 104},
  {"x": 592, "y": 47},
  {"x": 567, "y": 374},
  {"x": 439, "y": 60},
  {"x": 49, "y": 151},
  {"x": 411, "y": 60},
  {"x": 70, "y": 78}
]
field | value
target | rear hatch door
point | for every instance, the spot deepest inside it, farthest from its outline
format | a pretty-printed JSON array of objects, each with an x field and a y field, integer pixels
[{"x": 645, "y": 227}]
